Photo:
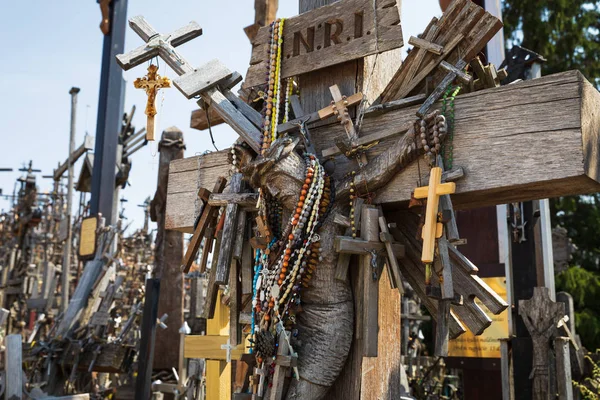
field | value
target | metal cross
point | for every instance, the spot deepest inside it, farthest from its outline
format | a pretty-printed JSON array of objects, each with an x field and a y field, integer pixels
[{"x": 151, "y": 83}]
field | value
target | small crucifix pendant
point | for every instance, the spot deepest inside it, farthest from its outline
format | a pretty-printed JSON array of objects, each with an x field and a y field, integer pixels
[{"x": 151, "y": 83}]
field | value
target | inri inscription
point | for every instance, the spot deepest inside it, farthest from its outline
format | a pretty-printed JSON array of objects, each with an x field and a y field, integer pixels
[{"x": 340, "y": 32}]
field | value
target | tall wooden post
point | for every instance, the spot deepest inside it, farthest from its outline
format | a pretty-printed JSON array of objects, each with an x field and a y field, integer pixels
[
  {"x": 376, "y": 377},
  {"x": 167, "y": 256}
]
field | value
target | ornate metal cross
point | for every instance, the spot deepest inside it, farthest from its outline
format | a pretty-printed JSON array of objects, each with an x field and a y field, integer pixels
[{"x": 151, "y": 83}]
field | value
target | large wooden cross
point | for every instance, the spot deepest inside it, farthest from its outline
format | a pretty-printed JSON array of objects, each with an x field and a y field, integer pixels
[{"x": 208, "y": 81}]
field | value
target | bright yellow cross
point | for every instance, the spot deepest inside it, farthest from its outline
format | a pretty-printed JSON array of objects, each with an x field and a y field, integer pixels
[
  {"x": 432, "y": 229},
  {"x": 151, "y": 83}
]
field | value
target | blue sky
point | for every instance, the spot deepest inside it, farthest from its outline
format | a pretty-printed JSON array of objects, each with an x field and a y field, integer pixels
[{"x": 57, "y": 45}]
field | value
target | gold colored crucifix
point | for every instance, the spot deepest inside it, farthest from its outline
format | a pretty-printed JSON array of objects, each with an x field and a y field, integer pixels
[
  {"x": 432, "y": 228},
  {"x": 151, "y": 83}
]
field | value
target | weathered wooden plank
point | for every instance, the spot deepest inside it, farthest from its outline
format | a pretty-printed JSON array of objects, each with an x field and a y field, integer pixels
[
  {"x": 14, "y": 367},
  {"x": 370, "y": 233},
  {"x": 564, "y": 380},
  {"x": 557, "y": 116},
  {"x": 202, "y": 78},
  {"x": 186, "y": 177},
  {"x": 330, "y": 35},
  {"x": 463, "y": 30},
  {"x": 280, "y": 370},
  {"x": 426, "y": 45},
  {"x": 229, "y": 233},
  {"x": 207, "y": 215},
  {"x": 242, "y": 199},
  {"x": 234, "y": 118}
]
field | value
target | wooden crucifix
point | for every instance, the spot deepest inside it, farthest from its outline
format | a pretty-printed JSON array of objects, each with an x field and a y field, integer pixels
[
  {"x": 203, "y": 81},
  {"x": 541, "y": 316},
  {"x": 339, "y": 108},
  {"x": 371, "y": 251},
  {"x": 151, "y": 83}
]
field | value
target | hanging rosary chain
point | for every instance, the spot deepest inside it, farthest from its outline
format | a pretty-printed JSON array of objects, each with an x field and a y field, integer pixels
[{"x": 448, "y": 112}]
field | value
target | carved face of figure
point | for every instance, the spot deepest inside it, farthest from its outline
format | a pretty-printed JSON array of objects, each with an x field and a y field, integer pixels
[{"x": 281, "y": 171}]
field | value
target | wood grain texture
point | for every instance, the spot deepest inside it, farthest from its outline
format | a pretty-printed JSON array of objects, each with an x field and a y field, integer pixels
[
  {"x": 463, "y": 31},
  {"x": 558, "y": 117},
  {"x": 199, "y": 119},
  {"x": 336, "y": 33},
  {"x": 186, "y": 177},
  {"x": 14, "y": 367},
  {"x": 555, "y": 118},
  {"x": 368, "y": 76},
  {"x": 168, "y": 252}
]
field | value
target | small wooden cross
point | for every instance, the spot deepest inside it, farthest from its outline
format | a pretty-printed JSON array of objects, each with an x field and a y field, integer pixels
[
  {"x": 151, "y": 83},
  {"x": 101, "y": 317},
  {"x": 368, "y": 247},
  {"x": 432, "y": 229},
  {"x": 339, "y": 107},
  {"x": 454, "y": 72}
]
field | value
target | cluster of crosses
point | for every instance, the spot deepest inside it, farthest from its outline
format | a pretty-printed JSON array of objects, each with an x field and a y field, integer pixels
[{"x": 382, "y": 146}]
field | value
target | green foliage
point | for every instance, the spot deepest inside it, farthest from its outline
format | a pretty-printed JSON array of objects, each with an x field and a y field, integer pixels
[
  {"x": 565, "y": 32},
  {"x": 590, "y": 387},
  {"x": 580, "y": 215},
  {"x": 584, "y": 286}
]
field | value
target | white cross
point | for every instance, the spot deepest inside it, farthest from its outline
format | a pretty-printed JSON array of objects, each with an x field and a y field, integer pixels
[
  {"x": 228, "y": 347},
  {"x": 158, "y": 45}
]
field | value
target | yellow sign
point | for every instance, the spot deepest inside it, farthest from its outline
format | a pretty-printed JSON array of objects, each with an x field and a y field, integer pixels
[
  {"x": 486, "y": 345},
  {"x": 87, "y": 237}
]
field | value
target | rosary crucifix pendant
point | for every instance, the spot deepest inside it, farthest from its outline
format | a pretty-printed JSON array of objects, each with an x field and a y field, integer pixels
[{"x": 151, "y": 83}]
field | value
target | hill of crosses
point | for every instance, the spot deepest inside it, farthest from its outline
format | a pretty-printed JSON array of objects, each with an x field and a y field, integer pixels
[{"x": 336, "y": 199}]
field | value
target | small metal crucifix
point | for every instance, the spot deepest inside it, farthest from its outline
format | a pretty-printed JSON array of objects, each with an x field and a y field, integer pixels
[{"x": 151, "y": 83}]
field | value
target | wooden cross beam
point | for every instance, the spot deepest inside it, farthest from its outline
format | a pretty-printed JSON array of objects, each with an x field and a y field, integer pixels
[
  {"x": 555, "y": 116},
  {"x": 369, "y": 248},
  {"x": 192, "y": 82},
  {"x": 285, "y": 360},
  {"x": 454, "y": 72},
  {"x": 339, "y": 108},
  {"x": 206, "y": 216},
  {"x": 101, "y": 317}
]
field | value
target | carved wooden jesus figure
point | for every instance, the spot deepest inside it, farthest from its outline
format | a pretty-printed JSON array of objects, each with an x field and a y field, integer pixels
[{"x": 325, "y": 318}]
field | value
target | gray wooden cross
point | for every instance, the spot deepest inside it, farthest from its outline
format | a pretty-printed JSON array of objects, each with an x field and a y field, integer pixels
[
  {"x": 286, "y": 358},
  {"x": 203, "y": 81},
  {"x": 369, "y": 248},
  {"x": 454, "y": 72},
  {"x": 101, "y": 317},
  {"x": 541, "y": 316}
]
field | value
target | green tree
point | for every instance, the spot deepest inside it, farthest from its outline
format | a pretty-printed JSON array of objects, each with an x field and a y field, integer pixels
[{"x": 567, "y": 34}]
